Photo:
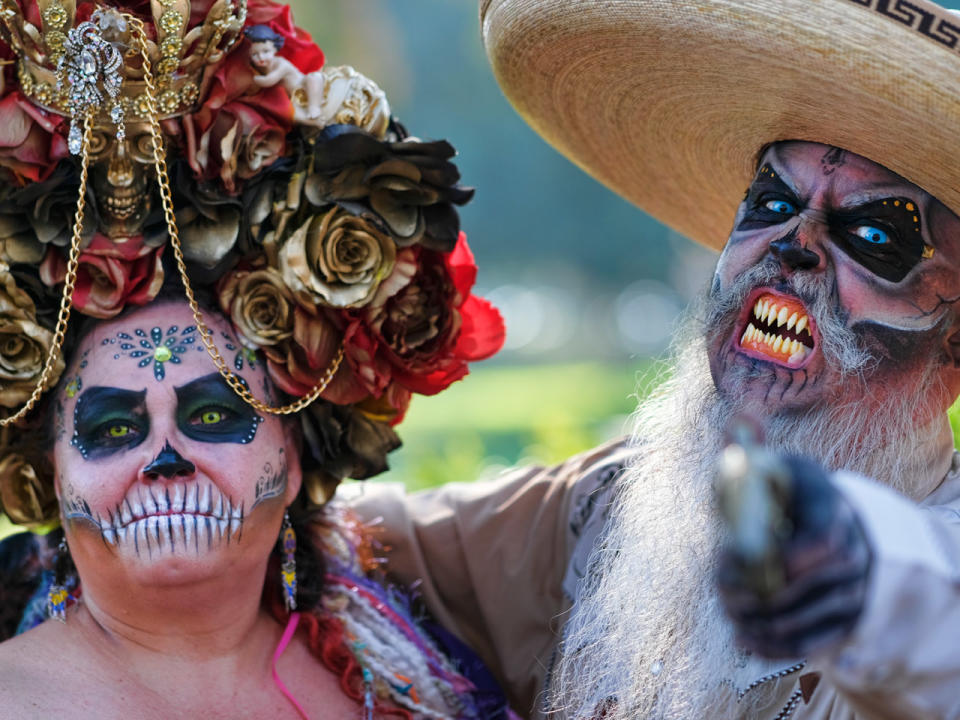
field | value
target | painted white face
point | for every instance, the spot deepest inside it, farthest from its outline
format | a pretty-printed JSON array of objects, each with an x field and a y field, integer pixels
[{"x": 159, "y": 463}]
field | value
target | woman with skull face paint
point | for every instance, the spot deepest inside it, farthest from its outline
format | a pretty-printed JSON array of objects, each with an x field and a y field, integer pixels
[{"x": 198, "y": 565}]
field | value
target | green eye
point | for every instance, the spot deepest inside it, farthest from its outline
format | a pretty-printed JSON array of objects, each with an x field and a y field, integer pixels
[
  {"x": 119, "y": 430},
  {"x": 211, "y": 417}
]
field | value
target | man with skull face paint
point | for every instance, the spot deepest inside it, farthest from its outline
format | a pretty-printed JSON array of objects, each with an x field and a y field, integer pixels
[{"x": 611, "y": 587}]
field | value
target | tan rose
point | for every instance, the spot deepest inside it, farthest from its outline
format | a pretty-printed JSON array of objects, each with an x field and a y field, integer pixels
[
  {"x": 259, "y": 305},
  {"x": 25, "y": 498},
  {"x": 24, "y": 344},
  {"x": 336, "y": 259}
]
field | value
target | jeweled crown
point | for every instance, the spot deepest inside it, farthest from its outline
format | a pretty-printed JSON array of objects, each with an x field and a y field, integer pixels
[{"x": 178, "y": 53}]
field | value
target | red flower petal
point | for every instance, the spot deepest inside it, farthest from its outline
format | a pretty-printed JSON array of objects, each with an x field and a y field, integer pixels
[
  {"x": 482, "y": 332},
  {"x": 361, "y": 351},
  {"x": 462, "y": 267}
]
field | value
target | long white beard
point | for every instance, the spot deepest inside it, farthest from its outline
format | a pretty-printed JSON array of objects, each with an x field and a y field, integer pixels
[{"x": 648, "y": 638}]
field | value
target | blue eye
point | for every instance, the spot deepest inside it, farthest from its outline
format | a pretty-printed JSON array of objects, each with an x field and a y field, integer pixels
[
  {"x": 871, "y": 234},
  {"x": 781, "y": 207}
]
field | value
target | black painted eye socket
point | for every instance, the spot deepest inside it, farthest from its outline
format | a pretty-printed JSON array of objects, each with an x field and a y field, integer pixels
[
  {"x": 209, "y": 411},
  {"x": 883, "y": 236},
  {"x": 108, "y": 420},
  {"x": 766, "y": 209}
]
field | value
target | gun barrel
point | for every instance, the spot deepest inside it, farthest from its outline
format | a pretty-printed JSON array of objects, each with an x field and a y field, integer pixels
[{"x": 752, "y": 486}]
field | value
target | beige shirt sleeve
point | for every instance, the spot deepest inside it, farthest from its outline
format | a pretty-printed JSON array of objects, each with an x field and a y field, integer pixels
[
  {"x": 492, "y": 559},
  {"x": 901, "y": 661}
]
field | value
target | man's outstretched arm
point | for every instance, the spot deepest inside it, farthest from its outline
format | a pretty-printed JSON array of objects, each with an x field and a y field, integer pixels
[{"x": 871, "y": 594}]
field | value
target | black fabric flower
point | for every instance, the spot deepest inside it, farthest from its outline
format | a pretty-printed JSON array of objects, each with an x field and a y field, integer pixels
[
  {"x": 342, "y": 441},
  {"x": 410, "y": 186},
  {"x": 41, "y": 214}
]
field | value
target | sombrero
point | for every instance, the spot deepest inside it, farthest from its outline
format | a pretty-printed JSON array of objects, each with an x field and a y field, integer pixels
[{"x": 669, "y": 102}]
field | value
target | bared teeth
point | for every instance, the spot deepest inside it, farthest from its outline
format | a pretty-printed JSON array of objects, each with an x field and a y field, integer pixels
[
  {"x": 768, "y": 313},
  {"x": 799, "y": 354}
]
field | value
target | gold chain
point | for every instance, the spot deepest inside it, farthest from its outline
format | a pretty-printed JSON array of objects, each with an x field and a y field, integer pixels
[
  {"x": 69, "y": 281},
  {"x": 206, "y": 336}
]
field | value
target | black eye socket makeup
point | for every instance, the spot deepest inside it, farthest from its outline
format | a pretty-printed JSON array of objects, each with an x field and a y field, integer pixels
[
  {"x": 209, "y": 411},
  {"x": 107, "y": 420},
  {"x": 884, "y": 236},
  {"x": 769, "y": 200}
]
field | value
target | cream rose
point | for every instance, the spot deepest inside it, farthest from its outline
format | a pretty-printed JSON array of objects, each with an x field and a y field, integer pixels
[
  {"x": 336, "y": 259},
  {"x": 259, "y": 305},
  {"x": 24, "y": 344},
  {"x": 25, "y": 498}
]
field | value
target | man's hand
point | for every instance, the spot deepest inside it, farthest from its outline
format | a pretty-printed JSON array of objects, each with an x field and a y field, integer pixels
[{"x": 825, "y": 560}]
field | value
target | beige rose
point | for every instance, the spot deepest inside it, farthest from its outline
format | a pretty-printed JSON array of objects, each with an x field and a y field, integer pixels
[
  {"x": 259, "y": 305},
  {"x": 24, "y": 344},
  {"x": 25, "y": 498},
  {"x": 336, "y": 259}
]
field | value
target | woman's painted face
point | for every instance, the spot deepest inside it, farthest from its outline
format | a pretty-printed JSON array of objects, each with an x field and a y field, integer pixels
[
  {"x": 157, "y": 459},
  {"x": 877, "y": 255}
]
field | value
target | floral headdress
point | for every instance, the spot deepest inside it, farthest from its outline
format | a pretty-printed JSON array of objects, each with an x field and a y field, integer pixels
[{"x": 209, "y": 139}]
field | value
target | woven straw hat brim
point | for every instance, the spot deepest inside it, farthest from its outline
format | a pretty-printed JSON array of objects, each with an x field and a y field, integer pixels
[{"x": 668, "y": 102}]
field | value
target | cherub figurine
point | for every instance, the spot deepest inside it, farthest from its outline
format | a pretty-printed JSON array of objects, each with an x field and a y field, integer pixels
[
  {"x": 303, "y": 88},
  {"x": 334, "y": 95}
]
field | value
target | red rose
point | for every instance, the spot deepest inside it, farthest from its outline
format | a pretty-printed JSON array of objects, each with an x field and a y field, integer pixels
[
  {"x": 298, "y": 363},
  {"x": 110, "y": 275},
  {"x": 298, "y": 46},
  {"x": 426, "y": 331},
  {"x": 234, "y": 135},
  {"x": 30, "y": 146}
]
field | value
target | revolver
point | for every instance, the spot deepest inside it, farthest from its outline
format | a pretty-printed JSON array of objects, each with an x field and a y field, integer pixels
[{"x": 753, "y": 489}]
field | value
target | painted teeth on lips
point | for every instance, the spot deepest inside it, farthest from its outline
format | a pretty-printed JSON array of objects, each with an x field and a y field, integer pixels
[{"x": 779, "y": 329}]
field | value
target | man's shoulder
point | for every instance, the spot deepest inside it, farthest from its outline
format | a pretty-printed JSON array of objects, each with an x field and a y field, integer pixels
[
  {"x": 597, "y": 472},
  {"x": 591, "y": 502}
]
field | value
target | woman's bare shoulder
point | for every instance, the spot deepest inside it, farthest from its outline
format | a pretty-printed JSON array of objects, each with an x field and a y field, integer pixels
[{"x": 29, "y": 668}]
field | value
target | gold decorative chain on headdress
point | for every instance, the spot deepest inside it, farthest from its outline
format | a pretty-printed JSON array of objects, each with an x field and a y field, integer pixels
[{"x": 89, "y": 72}]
